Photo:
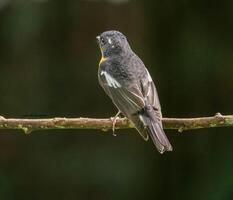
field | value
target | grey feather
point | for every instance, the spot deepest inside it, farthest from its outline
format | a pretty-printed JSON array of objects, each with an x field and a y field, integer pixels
[{"x": 128, "y": 83}]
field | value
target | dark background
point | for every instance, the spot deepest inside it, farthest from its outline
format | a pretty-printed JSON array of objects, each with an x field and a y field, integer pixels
[{"x": 48, "y": 67}]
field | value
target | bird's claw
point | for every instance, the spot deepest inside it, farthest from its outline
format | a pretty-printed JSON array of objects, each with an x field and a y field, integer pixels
[{"x": 114, "y": 120}]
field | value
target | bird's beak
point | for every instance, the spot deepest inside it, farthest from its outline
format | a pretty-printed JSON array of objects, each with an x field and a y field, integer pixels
[
  {"x": 98, "y": 39},
  {"x": 99, "y": 43}
]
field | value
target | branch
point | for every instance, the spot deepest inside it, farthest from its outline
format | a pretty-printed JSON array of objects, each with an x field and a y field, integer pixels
[{"x": 181, "y": 124}]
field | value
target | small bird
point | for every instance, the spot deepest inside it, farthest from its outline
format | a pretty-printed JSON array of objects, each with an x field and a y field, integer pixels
[{"x": 126, "y": 80}]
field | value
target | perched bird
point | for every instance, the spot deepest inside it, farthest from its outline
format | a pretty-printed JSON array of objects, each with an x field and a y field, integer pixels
[{"x": 128, "y": 83}]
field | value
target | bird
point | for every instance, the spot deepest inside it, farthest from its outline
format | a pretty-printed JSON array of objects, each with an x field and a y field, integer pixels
[{"x": 125, "y": 79}]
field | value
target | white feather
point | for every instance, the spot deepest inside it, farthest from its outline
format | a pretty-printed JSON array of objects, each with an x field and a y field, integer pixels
[
  {"x": 142, "y": 120},
  {"x": 112, "y": 82},
  {"x": 149, "y": 86},
  {"x": 109, "y": 41},
  {"x": 149, "y": 77}
]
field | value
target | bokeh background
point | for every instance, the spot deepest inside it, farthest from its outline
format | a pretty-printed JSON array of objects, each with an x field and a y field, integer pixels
[{"x": 48, "y": 67}]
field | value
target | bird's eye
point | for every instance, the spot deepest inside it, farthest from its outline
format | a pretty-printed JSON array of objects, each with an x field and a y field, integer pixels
[{"x": 102, "y": 40}]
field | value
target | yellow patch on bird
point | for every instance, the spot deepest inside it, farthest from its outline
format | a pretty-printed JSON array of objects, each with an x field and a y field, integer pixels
[{"x": 102, "y": 60}]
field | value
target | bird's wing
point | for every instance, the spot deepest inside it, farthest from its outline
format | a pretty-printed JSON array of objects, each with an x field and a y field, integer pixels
[
  {"x": 149, "y": 92},
  {"x": 129, "y": 100},
  {"x": 152, "y": 115}
]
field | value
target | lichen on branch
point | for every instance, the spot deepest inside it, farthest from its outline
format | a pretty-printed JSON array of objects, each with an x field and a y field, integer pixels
[{"x": 180, "y": 124}]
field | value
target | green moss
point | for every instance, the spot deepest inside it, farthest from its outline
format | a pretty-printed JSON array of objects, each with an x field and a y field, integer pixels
[
  {"x": 180, "y": 130},
  {"x": 20, "y": 126},
  {"x": 229, "y": 121},
  {"x": 60, "y": 126},
  {"x": 104, "y": 129},
  {"x": 26, "y": 130},
  {"x": 213, "y": 125},
  {"x": 131, "y": 125}
]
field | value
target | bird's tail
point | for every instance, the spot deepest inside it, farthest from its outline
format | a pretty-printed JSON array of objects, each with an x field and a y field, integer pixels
[
  {"x": 153, "y": 126},
  {"x": 158, "y": 136}
]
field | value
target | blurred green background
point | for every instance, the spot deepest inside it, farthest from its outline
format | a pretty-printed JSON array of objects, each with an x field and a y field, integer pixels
[{"x": 48, "y": 67}]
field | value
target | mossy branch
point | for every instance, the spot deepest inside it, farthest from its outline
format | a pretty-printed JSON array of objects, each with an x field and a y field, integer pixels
[{"x": 180, "y": 124}]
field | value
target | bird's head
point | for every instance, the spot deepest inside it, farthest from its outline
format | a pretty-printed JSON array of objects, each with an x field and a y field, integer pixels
[{"x": 112, "y": 43}]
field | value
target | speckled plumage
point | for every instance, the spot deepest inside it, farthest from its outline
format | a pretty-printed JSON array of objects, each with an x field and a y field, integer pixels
[{"x": 128, "y": 83}]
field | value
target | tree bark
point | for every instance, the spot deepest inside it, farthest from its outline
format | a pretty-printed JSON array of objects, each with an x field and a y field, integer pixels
[{"x": 180, "y": 124}]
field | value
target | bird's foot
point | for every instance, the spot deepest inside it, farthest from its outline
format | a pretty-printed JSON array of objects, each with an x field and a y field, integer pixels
[{"x": 114, "y": 120}]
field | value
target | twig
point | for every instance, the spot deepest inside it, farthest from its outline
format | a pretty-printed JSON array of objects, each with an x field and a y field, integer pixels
[{"x": 181, "y": 124}]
